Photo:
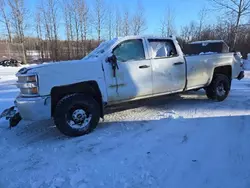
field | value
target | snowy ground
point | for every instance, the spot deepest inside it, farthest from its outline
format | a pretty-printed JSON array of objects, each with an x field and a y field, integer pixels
[
  {"x": 178, "y": 141},
  {"x": 247, "y": 64}
]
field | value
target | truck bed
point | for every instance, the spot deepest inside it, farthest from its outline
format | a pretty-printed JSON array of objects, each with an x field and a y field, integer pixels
[{"x": 200, "y": 68}]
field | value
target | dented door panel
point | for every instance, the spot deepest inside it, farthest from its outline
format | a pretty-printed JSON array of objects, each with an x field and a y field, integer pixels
[
  {"x": 133, "y": 78},
  {"x": 197, "y": 71},
  {"x": 168, "y": 75},
  {"x": 130, "y": 81}
]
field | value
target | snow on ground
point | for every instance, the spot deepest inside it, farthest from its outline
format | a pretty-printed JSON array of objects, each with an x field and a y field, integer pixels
[
  {"x": 247, "y": 64},
  {"x": 8, "y": 91},
  {"x": 176, "y": 141}
]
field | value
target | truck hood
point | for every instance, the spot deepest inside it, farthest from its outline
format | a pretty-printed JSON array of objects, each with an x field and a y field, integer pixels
[{"x": 36, "y": 68}]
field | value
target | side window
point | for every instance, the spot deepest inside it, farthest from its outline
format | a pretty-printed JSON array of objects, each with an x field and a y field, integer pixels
[
  {"x": 131, "y": 50},
  {"x": 162, "y": 48}
]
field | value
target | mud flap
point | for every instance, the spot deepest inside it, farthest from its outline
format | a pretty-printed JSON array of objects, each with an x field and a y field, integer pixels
[{"x": 12, "y": 115}]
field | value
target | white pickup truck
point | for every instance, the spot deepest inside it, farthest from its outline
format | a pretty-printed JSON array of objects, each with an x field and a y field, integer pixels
[{"x": 75, "y": 93}]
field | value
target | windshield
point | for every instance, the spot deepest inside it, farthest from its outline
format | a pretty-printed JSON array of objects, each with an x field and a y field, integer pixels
[{"x": 103, "y": 47}]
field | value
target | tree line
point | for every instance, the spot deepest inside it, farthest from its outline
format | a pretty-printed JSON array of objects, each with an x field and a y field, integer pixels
[
  {"x": 85, "y": 26},
  {"x": 230, "y": 26}
]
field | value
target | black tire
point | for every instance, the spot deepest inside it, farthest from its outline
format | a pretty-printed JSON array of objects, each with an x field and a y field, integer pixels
[
  {"x": 66, "y": 107},
  {"x": 209, "y": 93},
  {"x": 219, "y": 88}
]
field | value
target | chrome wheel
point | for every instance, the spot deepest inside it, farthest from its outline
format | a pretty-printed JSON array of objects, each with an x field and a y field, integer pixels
[
  {"x": 220, "y": 90},
  {"x": 78, "y": 118}
]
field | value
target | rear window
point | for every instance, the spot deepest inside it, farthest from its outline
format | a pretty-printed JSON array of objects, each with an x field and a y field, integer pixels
[{"x": 162, "y": 48}]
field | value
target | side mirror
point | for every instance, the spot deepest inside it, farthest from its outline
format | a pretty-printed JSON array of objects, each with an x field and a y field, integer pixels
[{"x": 111, "y": 59}]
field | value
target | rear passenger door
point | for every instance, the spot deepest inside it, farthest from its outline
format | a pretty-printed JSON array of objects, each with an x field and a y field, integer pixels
[{"x": 168, "y": 67}]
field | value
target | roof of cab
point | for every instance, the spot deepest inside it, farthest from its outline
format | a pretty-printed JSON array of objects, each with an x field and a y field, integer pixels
[{"x": 146, "y": 37}]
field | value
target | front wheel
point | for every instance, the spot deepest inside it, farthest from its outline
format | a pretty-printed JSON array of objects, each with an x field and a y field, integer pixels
[
  {"x": 76, "y": 115},
  {"x": 219, "y": 88}
]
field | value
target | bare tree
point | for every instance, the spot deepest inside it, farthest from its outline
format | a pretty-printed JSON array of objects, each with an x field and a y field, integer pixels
[
  {"x": 202, "y": 19},
  {"x": 111, "y": 22},
  {"x": 39, "y": 32},
  {"x": 184, "y": 33},
  {"x": 139, "y": 21},
  {"x": 76, "y": 22},
  {"x": 83, "y": 23},
  {"x": 47, "y": 28},
  {"x": 239, "y": 7},
  {"x": 75, "y": 14},
  {"x": 125, "y": 21},
  {"x": 189, "y": 32},
  {"x": 76, "y": 19},
  {"x": 167, "y": 23},
  {"x": 49, "y": 12},
  {"x": 5, "y": 19},
  {"x": 67, "y": 14},
  {"x": 99, "y": 17},
  {"x": 18, "y": 17},
  {"x": 118, "y": 25},
  {"x": 225, "y": 28},
  {"x": 85, "y": 29},
  {"x": 52, "y": 4}
]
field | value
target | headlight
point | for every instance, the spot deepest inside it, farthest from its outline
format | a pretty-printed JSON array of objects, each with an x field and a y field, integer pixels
[
  {"x": 28, "y": 85},
  {"x": 29, "y": 91},
  {"x": 23, "y": 79}
]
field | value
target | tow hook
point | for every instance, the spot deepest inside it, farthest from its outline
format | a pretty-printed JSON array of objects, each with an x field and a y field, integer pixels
[{"x": 12, "y": 115}]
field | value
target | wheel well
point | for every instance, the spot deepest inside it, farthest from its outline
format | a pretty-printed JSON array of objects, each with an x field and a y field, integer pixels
[
  {"x": 226, "y": 70},
  {"x": 90, "y": 88}
]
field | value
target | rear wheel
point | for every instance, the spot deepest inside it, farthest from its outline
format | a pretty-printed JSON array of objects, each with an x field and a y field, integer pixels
[
  {"x": 219, "y": 88},
  {"x": 76, "y": 115}
]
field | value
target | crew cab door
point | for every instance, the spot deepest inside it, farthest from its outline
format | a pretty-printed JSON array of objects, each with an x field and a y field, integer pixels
[
  {"x": 168, "y": 66},
  {"x": 133, "y": 77}
]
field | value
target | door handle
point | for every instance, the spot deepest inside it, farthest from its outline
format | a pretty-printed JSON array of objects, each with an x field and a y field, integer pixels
[
  {"x": 179, "y": 63},
  {"x": 144, "y": 66}
]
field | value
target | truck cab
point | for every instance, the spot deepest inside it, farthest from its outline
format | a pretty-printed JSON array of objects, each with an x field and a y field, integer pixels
[{"x": 143, "y": 64}]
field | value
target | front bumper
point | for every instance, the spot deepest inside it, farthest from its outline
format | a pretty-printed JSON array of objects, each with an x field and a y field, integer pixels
[
  {"x": 35, "y": 108},
  {"x": 241, "y": 75}
]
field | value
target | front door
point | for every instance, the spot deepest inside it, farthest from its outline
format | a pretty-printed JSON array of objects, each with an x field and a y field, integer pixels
[
  {"x": 133, "y": 77},
  {"x": 168, "y": 67}
]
